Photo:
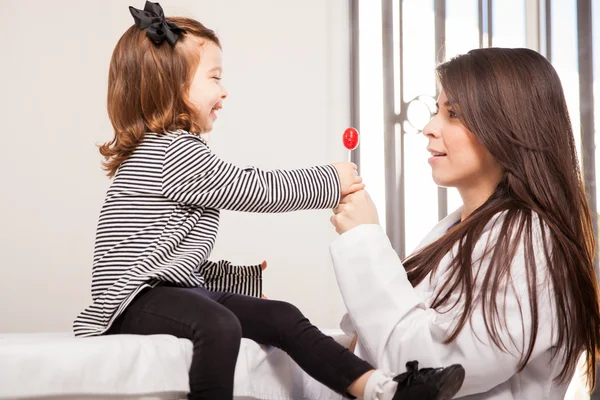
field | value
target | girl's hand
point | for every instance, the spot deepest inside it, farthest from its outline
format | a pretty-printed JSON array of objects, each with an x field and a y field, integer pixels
[
  {"x": 263, "y": 266},
  {"x": 350, "y": 181},
  {"x": 354, "y": 209}
]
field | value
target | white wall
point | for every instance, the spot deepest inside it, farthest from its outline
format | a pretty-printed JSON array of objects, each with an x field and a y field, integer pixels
[{"x": 286, "y": 69}]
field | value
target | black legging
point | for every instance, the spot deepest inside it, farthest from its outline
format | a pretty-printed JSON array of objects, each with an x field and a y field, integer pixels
[{"x": 215, "y": 322}]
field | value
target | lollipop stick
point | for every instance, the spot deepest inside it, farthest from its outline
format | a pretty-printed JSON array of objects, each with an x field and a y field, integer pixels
[{"x": 349, "y": 155}]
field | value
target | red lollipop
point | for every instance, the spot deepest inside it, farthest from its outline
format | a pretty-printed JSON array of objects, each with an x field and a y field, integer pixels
[{"x": 350, "y": 139}]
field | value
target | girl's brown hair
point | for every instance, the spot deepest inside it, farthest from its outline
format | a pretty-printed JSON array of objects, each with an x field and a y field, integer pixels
[
  {"x": 148, "y": 87},
  {"x": 512, "y": 100}
]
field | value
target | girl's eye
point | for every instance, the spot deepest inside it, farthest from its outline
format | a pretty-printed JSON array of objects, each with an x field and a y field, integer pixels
[{"x": 452, "y": 114}]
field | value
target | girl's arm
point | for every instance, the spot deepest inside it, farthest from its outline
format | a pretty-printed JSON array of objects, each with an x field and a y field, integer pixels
[
  {"x": 395, "y": 325},
  {"x": 222, "y": 276},
  {"x": 192, "y": 174}
]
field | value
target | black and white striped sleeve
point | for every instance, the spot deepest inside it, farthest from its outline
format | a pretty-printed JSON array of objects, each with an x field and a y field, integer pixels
[
  {"x": 192, "y": 174},
  {"x": 222, "y": 276}
]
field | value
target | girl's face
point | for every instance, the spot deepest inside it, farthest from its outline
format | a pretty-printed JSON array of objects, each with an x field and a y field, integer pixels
[
  {"x": 458, "y": 159},
  {"x": 206, "y": 91}
]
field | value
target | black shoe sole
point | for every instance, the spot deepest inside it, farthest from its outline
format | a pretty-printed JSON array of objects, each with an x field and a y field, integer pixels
[{"x": 451, "y": 383}]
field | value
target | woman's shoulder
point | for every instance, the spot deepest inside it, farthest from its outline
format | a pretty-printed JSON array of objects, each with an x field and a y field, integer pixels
[
  {"x": 524, "y": 236},
  {"x": 521, "y": 223}
]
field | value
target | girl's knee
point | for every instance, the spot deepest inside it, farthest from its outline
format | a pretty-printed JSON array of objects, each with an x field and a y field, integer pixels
[
  {"x": 284, "y": 308},
  {"x": 284, "y": 313},
  {"x": 227, "y": 324},
  {"x": 218, "y": 325}
]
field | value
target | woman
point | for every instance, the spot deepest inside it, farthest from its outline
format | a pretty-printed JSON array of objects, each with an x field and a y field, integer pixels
[{"x": 504, "y": 286}]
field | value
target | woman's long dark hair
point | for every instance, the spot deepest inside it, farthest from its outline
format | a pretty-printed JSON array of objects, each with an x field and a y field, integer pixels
[{"x": 512, "y": 100}]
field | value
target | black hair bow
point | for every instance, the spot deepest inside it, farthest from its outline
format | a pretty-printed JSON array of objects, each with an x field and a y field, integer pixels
[{"x": 152, "y": 19}]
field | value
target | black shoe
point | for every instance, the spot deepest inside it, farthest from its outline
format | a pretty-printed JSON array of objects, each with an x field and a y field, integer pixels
[{"x": 429, "y": 383}]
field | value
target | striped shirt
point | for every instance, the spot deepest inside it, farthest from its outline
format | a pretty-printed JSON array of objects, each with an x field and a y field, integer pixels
[{"x": 160, "y": 219}]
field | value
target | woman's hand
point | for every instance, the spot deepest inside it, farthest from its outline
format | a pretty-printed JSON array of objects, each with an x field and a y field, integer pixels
[
  {"x": 355, "y": 209},
  {"x": 353, "y": 343}
]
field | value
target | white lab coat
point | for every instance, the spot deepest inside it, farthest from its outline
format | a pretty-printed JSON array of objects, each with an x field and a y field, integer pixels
[{"x": 395, "y": 323}]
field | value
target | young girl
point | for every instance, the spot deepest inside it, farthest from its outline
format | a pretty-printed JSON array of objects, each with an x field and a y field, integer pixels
[
  {"x": 505, "y": 285},
  {"x": 161, "y": 214}
]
